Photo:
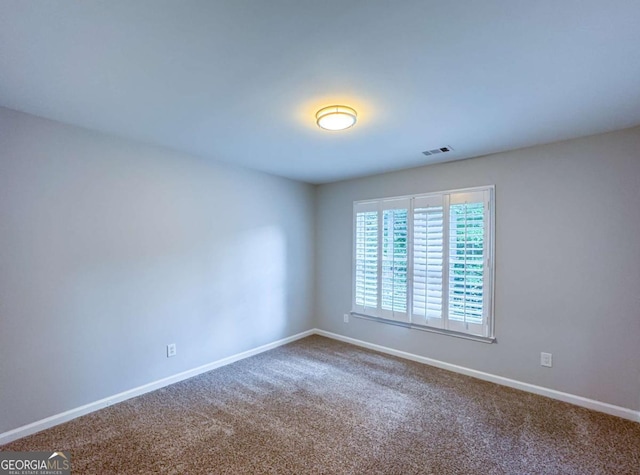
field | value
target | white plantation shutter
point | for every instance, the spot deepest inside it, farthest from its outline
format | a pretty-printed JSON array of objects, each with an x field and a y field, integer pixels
[
  {"x": 394, "y": 259},
  {"x": 366, "y": 257},
  {"x": 428, "y": 256},
  {"x": 426, "y": 260},
  {"x": 467, "y": 257}
]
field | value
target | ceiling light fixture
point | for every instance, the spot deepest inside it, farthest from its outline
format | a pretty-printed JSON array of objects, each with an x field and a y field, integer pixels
[{"x": 336, "y": 117}]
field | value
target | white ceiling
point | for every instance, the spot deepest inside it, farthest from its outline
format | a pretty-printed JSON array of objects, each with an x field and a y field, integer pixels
[{"x": 240, "y": 80}]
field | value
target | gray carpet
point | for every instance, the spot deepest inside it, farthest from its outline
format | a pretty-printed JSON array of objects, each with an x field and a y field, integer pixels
[{"x": 320, "y": 406}]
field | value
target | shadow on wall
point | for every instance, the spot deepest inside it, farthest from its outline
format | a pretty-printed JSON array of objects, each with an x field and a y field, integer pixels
[
  {"x": 213, "y": 302},
  {"x": 247, "y": 290}
]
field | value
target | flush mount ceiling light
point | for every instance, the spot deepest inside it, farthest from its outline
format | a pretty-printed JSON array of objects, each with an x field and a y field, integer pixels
[{"x": 336, "y": 117}]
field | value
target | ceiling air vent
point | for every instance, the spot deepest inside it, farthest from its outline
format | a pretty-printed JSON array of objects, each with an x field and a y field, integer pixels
[{"x": 436, "y": 151}]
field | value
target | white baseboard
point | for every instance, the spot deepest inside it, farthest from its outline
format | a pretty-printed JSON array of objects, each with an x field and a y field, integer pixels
[
  {"x": 56, "y": 419},
  {"x": 512, "y": 383}
]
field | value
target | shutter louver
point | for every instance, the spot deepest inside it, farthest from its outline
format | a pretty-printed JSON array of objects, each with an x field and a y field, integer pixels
[
  {"x": 366, "y": 257},
  {"x": 467, "y": 264},
  {"x": 394, "y": 260},
  {"x": 428, "y": 257}
]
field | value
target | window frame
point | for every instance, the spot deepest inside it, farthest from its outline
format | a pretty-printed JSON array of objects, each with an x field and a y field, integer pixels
[{"x": 409, "y": 320}]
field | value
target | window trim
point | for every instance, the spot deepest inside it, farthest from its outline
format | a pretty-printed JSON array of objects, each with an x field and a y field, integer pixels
[{"x": 375, "y": 204}]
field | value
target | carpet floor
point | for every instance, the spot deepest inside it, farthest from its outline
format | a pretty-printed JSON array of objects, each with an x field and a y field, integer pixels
[{"x": 319, "y": 406}]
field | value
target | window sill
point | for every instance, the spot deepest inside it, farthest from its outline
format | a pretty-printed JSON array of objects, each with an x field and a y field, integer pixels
[{"x": 424, "y": 328}]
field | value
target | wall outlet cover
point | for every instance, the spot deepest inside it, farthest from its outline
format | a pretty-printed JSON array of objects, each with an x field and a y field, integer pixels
[{"x": 546, "y": 359}]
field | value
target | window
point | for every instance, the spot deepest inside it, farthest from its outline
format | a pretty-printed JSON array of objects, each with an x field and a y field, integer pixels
[{"x": 426, "y": 261}]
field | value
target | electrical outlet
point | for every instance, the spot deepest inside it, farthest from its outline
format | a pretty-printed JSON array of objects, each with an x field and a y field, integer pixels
[
  {"x": 346, "y": 318},
  {"x": 171, "y": 350},
  {"x": 546, "y": 359}
]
